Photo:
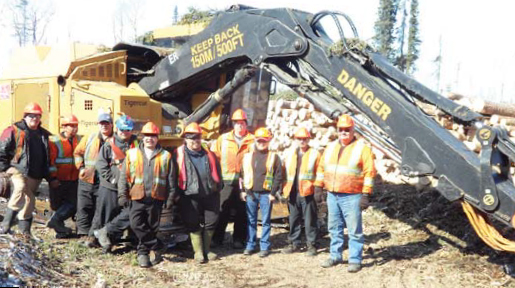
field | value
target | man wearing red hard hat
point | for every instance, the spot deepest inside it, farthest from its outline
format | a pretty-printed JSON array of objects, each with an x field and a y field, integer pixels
[
  {"x": 144, "y": 185},
  {"x": 63, "y": 199},
  {"x": 24, "y": 154}
]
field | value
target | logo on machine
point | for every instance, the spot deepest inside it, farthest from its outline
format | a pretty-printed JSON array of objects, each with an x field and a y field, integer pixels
[
  {"x": 489, "y": 200},
  {"x": 217, "y": 46},
  {"x": 172, "y": 58},
  {"x": 485, "y": 134},
  {"x": 5, "y": 92},
  {"x": 132, "y": 103},
  {"x": 381, "y": 109}
]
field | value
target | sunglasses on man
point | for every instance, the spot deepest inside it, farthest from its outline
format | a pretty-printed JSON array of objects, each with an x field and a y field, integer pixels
[
  {"x": 347, "y": 130},
  {"x": 33, "y": 116},
  {"x": 192, "y": 136}
]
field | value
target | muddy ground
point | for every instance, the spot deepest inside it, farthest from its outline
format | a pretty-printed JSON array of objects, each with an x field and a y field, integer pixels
[{"x": 413, "y": 239}]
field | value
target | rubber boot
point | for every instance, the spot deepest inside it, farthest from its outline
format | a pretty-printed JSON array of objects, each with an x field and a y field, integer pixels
[
  {"x": 8, "y": 221},
  {"x": 57, "y": 221},
  {"x": 24, "y": 226},
  {"x": 144, "y": 261},
  {"x": 198, "y": 247},
  {"x": 208, "y": 235}
]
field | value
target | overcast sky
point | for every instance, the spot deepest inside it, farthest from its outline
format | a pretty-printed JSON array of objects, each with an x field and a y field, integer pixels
[{"x": 477, "y": 50}]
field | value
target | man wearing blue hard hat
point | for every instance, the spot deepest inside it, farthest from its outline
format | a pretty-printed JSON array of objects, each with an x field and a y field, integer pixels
[{"x": 108, "y": 215}]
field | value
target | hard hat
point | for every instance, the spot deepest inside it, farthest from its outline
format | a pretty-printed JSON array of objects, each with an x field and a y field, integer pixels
[
  {"x": 70, "y": 120},
  {"x": 239, "y": 114},
  {"x": 150, "y": 128},
  {"x": 263, "y": 134},
  {"x": 33, "y": 108},
  {"x": 192, "y": 128},
  {"x": 125, "y": 123},
  {"x": 345, "y": 121},
  {"x": 302, "y": 133}
]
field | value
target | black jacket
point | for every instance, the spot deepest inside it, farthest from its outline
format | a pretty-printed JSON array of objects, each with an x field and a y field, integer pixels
[
  {"x": 8, "y": 149},
  {"x": 192, "y": 177},
  {"x": 107, "y": 170}
]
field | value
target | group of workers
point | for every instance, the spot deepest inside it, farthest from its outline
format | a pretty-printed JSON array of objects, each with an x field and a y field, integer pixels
[{"x": 112, "y": 181}]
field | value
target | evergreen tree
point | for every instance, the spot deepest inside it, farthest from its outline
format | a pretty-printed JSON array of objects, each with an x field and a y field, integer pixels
[
  {"x": 384, "y": 28},
  {"x": 175, "y": 15},
  {"x": 413, "y": 38}
]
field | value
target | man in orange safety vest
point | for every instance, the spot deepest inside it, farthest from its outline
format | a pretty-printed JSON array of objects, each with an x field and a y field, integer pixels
[{"x": 347, "y": 173}]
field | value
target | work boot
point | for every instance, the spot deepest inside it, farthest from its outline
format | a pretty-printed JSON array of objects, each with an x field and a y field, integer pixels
[
  {"x": 238, "y": 244},
  {"x": 158, "y": 255},
  {"x": 248, "y": 252},
  {"x": 90, "y": 242},
  {"x": 290, "y": 249},
  {"x": 144, "y": 261},
  {"x": 103, "y": 238},
  {"x": 198, "y": 247},
  {"x": 264, "y": 253},
  {"x": 354, "y": 267},
  {"x": 330, "y": 263},
  {"x": 24, "y": 226},
  {"x": 7, "y": 223},
  {"x": 57, "y": 223},
  {"x": 312, "y": 251},
  {"x": 210, "y": 256}
]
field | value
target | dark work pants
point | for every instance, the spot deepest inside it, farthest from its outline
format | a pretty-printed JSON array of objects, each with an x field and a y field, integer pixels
[
  {"x": 144, "y": 221},
  {"x": 86, "y": 201},
  {"x": 200, "y": 212},
  {"x": 106, "y": 208},
  {"x": 119, "y": 224},
  {"x": 302, "y": 208},
  {"x": 65, "y": 193},
  {"x": 230, "y": 199}
]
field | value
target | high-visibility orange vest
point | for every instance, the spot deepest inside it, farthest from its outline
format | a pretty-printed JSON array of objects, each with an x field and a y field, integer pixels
[
  {"x": 19, "y": 139},
  {"x": 230, "y": 155},
  {"x": 86, "y": 153},
  {"x": 347, "y": 169},
  {"x": 248, "y": 171},
  {"x": 118, "y": 154},
  {"x": 135, "y": 170},
  {"x": 182, "y": 178},
  {"x": 307, "y": 172},
  {"x": 62, "y": 164}
]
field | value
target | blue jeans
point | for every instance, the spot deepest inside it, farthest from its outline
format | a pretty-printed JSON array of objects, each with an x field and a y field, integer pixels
[
  {"x": 344, "y": 212},
  {"x": 260, "y": 201}
]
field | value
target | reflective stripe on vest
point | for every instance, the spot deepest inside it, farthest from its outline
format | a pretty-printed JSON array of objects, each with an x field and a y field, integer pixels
[
  {"x": 307, "y": 172},
  {"x": 224, "y": 159},
  {"x": 182, "y": 179},
  {"x": 248, "y": 172},
  {"x": 90, "y": 155},
  {"x": 135, "y": 173},
  {"x": 118, "y": 154}
]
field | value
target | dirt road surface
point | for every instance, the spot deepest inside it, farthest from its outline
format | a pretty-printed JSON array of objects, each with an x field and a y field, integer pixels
[{"x": 413, "y": 239}]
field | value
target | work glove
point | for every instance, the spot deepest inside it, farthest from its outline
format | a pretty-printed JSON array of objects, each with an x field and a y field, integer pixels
[
  {"x": 319, "y": 194},
  {"x": 123, "y": 201},
  {"x": 364, "y": 202}
]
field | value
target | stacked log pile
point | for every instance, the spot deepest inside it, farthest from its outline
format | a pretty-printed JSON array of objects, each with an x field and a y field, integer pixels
[{"x": 285, "y": 117}]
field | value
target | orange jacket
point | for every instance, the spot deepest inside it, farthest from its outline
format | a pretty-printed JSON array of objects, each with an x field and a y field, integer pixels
[
  {"x": 230, "y": 155},
  {"x": 85, "y": 155},
  {"x": 62, "y": 164},
  {"x": 347, "y": 169},
  {"x": 306, "y": 174}
]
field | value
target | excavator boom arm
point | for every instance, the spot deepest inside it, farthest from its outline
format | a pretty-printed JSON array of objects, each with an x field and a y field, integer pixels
[{"x": 295, "y": 48}]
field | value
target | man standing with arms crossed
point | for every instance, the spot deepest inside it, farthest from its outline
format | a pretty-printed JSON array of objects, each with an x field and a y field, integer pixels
[
  {"x": 229, "y": 149},
  {"x": 347, "y": 173}
]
